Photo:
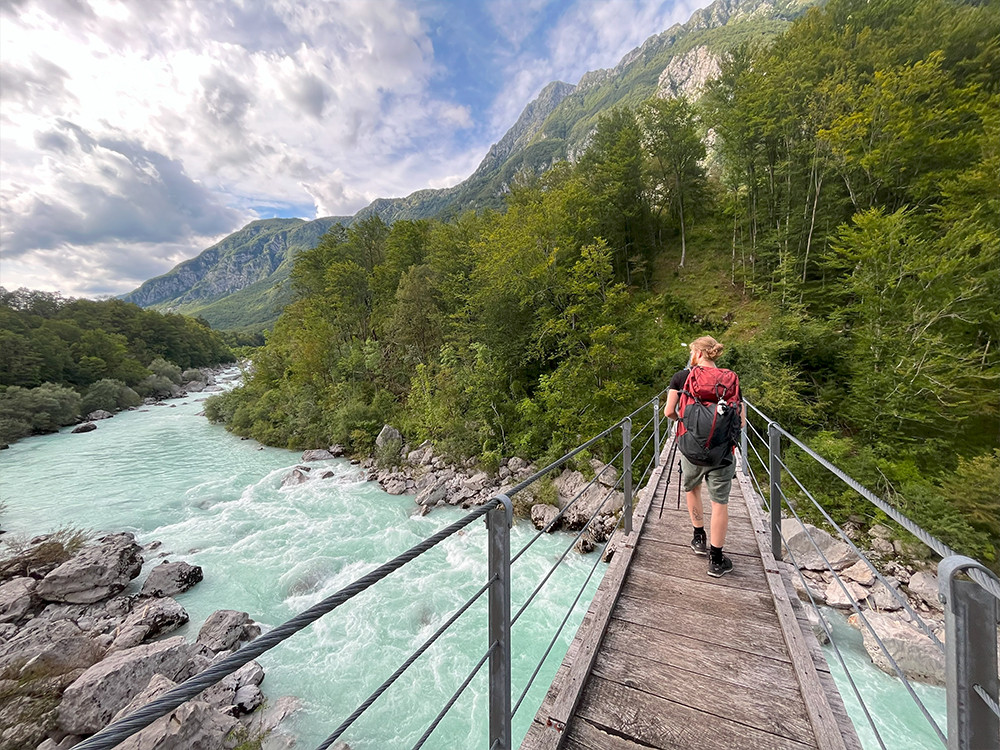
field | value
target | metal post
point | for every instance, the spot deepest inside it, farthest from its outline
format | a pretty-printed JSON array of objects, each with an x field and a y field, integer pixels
[
  {"x": 498, "y": 523},
  {"x": 627, "y": 471},
  {"x": 656, "y": 431},
  {"x": 774, "y": 474},
  {"x": 970, "y": 655}
]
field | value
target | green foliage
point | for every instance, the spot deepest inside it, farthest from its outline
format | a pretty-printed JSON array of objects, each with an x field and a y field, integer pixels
[
  {"x": 109, "y": 395},
  {"x": 33, "y": 411}
]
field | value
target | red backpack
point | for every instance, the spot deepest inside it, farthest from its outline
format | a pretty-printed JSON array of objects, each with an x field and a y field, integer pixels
[{"x": 710, "y": 411}]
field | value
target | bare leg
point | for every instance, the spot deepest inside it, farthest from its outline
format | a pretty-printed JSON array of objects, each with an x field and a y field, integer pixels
[
  {"x": 695, "y": 508},
  {"x": 720, "y": 524}
]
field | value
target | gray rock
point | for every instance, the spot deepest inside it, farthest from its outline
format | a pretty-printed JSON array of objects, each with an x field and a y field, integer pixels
[
  {"x": 337, "y": 450},
  {"x": 882, "y": 599},
  {"x": 250, "y": 673},
  {"x": 570, "y": 484},
  {"x": 804, "y": 552},
  {"x": 585, "y": 544},
  {"x": 95, "y": 573},
  {"x": 298, "y": 475},
  {"x": 85, "y": 427},
  {"x": 316, "y": 455},
  {"x": 516, "y": 464},
  {"x": 837, "y": 598},
  {"x": 149, "y": 618},
  {"x": 860, "y": 572},
  {"x": 94, "y": 416},
  {"x": 248, "y": 698},
  {"x": 395, "y": 486},
  {"x": 924, "y": 586},
  {"x": 98, "y": 694},
  {"x": 171, "y": 578},
  {"x": 65, "y": 744},
  {"x": 912, "y": 649},
  {"x": 878, "y": 531},
  {"x": 605, "y": 473},
  {"x": 226, "y": 628},
  {"x": 194, "y": 386},
  {"x": 611, "y": 548},
  {"x": 542, "y": 515},
  {"x": 195, "y": 725},
  {"x": 432, "y": 495},
  {"x": 387, "y": 436},
  {"x": 17, "y": 599}
]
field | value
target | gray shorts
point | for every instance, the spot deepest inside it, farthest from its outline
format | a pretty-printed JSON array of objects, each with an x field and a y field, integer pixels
[{"x": 717, "y": 478}]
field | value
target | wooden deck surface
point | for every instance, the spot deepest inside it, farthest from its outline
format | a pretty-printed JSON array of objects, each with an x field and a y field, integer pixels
[{"x": 668, "y": 657}]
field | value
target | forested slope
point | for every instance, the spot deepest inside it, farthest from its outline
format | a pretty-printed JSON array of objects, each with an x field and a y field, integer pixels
[{"x": 844, "y": 242}]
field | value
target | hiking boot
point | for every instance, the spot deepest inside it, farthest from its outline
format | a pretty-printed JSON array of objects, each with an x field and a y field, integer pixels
[
  {"x": 699, "y": 544},
  {"x": 719, "y": 569}
]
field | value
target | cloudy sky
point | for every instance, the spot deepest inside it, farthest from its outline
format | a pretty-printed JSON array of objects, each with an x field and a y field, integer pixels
[{"x": 135, "y": 134}]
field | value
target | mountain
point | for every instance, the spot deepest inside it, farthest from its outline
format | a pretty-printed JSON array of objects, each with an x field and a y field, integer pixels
[{"x": 240, "y": 283}]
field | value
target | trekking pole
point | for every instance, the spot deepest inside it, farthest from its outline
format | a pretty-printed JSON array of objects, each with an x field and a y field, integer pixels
[
  {"x": 680, "y": 483},
  {"x": 670, "y": 468}
]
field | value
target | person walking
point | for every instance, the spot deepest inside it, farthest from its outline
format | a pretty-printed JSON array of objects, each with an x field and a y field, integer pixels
[{"x": 704, "y": 381}]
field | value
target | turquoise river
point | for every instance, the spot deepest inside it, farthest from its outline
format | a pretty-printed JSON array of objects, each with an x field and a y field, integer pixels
[{"x": 166, "y": 474}]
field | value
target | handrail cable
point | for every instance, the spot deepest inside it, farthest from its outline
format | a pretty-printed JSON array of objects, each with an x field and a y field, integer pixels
[
  {"x": 871, "y": 629},
  {"x": 118, "y": 731},
  {"x": 402, "y": 668},
  {"x": 833, "y": 643},
  {"x": 455, "y": 696},
  {"x": 562, "y": 625},
  {"x": 551, "y": 524},
  {"x": 562, "y": 557},
  {"x": 899, "y": 597},
  {"x": 988, "y": 699}
]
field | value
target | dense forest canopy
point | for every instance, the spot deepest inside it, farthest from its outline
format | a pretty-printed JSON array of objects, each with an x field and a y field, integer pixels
[
  {"x": 60, "y": 358},
  {"x": 830, "y": 208}
]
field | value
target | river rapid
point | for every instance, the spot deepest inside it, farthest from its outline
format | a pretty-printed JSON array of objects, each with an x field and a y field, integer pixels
[{"x": 166, "y": 474}]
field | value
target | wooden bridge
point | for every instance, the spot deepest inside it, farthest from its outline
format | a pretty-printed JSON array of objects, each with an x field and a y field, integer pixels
[{"x": 667, "y": 657}]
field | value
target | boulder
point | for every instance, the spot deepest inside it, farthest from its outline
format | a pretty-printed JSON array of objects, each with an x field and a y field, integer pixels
[
  {"x": 432, "y": 495},
  {"x": 96, "y": 572},
  {"x": 611, "y": 548},
  {"x": 837, "y": 598},
  {"x": 194, "y": 386},
  {"x": 882, "y": 599},
  {"x": 860, "y": 572},
  {"x": 194, "y": 725},
  {"x": 924, "y": 586},
  {"x": 807, "y": 588},
  {"x": 387, "y": 436},
  {"x": 542, "y": 514},
  {"x": 171, "y": 578},
  {"x": 605, "y": 473},
  {"x": 570, "y": 484},
  {"x": 148, "y": 619},
  {"x": 585, "y": 544},
  {"x": 316, "y": 455},
  {"x": 46, "y": 648},
  {"x": 227, "y": 628},
  {"x": 94, "y": 416},
  {"x": 85, "y": 427},
  {"x": 298, "y": 475},
  {"x": 248, "y": 698},
  {"x": 337, "y": 450},
  {"x": 912, "y": 649},
  {"x": 796, "y": 536},
  {"x": 516, "y": 464},
  {"x": 90, "y": 703},
  {"x": 17, "y": 599}
]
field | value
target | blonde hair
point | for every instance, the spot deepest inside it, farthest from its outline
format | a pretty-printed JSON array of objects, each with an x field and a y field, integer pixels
[{"x": 707, "y": 346}]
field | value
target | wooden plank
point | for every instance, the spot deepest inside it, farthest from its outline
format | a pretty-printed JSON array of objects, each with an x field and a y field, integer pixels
[
  {"x": 775, "y": 711},
  {"x": 683, "y": 564},
  {"x": 654, "y": 722},
  {"x": 828, "y": 732},
  {"x": 725, "y": 661},
  {"x": 752, "y": 635},
  {"x": 704, "y": 595},
  {"x": 552, "y": 724}
]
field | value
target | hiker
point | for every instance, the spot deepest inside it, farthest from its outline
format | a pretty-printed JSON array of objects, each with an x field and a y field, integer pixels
[{"x": 707, "y": 452}]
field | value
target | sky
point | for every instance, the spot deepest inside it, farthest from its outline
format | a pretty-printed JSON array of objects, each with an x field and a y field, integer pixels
[{"x": 133, "y": 135}]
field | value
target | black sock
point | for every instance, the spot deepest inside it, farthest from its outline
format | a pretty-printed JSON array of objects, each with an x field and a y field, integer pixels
[
  {"x": 699, "y": 531},
  {"x": 716, "y": 553}
]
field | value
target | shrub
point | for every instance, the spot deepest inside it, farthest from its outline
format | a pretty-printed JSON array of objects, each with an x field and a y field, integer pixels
[
  {"x": 161, "y": 368},
  {"x": 109, "y": 395},
  {"x": 193, "y": 374},
  {"x": 43, "y": 409}
]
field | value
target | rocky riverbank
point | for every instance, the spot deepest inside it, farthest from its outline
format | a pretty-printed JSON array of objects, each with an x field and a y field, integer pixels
[
  {"x": 908, "y": 644},
  {"x": 81, "y": 646},
  {"x": 566, "y": 502}
]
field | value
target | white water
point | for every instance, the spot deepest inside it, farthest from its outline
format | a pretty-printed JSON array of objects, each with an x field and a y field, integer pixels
[{"x": 214, "y": 500}]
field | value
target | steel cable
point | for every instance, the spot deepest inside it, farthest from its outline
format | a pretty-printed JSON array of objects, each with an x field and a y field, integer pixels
[
  {"x": 871, "y": 629},
  {"x": 455, "y": 696},
  {"x": 402, "y": 668},
  {"x": 118, "y": 731},
  {"x": 899, "y": 597}
]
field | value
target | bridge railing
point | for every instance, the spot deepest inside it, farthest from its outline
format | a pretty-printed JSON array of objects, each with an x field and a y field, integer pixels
[
  {"x": 971, "y": 606},
  {"x": 640, "y": 449}
]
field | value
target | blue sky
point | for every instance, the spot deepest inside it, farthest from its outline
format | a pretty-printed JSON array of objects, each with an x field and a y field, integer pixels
[{"x": 133, "y": 135}]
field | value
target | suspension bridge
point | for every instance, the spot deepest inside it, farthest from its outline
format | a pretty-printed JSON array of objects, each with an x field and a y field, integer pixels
[{"x": 666, "y": 657}]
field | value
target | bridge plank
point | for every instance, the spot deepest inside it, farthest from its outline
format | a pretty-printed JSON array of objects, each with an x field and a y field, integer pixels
[
  {"x": 778, "y": 711},
  {"x": 654, "y": 722}
]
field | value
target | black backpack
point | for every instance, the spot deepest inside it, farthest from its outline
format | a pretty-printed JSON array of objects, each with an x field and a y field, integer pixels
[{"x": 711, "y": 421}]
